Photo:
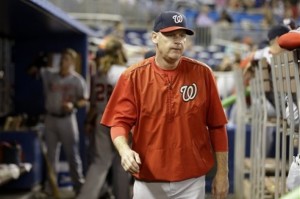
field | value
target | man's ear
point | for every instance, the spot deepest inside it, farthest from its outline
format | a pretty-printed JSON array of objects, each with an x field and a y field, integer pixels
[{"x": 154, "y": 37}]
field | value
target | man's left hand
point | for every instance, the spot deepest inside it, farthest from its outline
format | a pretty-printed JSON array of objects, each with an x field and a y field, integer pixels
[{"x": 220, "y": 186}]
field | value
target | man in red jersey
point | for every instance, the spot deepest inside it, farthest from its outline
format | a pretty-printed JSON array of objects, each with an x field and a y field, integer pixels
[{"x": 171, "y": 104}]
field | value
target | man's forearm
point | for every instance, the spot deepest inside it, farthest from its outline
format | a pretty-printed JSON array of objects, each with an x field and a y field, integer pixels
[
  {"x": 81, "y": 103},
  {"x": 130, "y": 160},
  {"x": 121, "y": 143},
  {"x": 222, "y": 162},
  {"x": 220, "y": 185}
]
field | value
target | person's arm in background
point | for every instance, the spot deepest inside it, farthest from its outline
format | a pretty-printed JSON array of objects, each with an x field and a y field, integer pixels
[
  {"x": 130, "y": 160},
  {"x": 83, "y": 95},
  {"x": 120, "y": 115},
  {"x": 219, "y": 142},
  {"x": 81, "y": 99},
  {"x": 41, "y": 61},
  {"x": 81, "y": 103},
  {"x": 92, "y": 113},
  {"x": 70, "y": 106}
]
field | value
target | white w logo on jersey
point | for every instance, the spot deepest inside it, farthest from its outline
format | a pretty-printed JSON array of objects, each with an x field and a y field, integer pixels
[
  {"x": 188, "y": 92},
  {"x": 177, "y": 18}
]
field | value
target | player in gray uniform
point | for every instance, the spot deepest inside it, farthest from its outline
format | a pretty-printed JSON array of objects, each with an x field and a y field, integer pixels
[
  {"x": 105, "y": 155},
  {"x": 65, "y": 91}
]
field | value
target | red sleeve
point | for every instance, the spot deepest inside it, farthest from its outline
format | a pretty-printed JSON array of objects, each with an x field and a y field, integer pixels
[
  {"x": 116, "y": 131},
  {"x": 219, "y": 139},
  {"x": 216, "y": 118},
  {"x": 215, "y": 115},
  {"x": 121, "y": 108}
]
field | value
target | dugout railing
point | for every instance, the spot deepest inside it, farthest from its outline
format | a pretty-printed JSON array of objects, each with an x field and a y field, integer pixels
[{"x": 265, "y": 176}]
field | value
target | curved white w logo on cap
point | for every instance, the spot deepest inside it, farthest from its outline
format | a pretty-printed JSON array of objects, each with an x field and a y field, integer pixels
[
  {"x": 178, "y": 18},
  {"x": 188, "y": 92}
]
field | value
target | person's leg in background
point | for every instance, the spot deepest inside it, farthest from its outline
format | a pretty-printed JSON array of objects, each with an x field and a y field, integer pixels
[
  {"x": 99, "y": 168},
  {"x": 270, "y": 131},
  {"x": 53, "y": 146},
  {"x": 121, "y": 180},
  {"x": 69, "y": 136}
]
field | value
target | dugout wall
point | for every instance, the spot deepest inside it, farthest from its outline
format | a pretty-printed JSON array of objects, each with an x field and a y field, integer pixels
[{"x": 28, "y": 27}]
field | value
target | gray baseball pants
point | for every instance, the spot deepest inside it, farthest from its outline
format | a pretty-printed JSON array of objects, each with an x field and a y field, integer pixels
[
  {"x": 193, "y": 188},
  {"x": 105, "y": 157},
  {"x": 64, "y": 131}
]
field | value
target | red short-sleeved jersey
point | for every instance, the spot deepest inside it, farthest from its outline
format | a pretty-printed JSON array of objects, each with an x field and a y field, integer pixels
[{"x": 171, "y": 118}]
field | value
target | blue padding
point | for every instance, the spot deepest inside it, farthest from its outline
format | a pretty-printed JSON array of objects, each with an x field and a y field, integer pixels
[
  {"x": 59, "y": 14},
  {"x": 238, "y": 16}
]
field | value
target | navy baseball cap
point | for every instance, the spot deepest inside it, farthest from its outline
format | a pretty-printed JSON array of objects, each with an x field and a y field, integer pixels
[
  {"x": 277, "y": 31},
  {"x": 169, "y": 21}
]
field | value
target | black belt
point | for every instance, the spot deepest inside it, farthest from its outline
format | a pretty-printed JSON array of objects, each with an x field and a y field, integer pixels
[{"x": 61, "y": 115}]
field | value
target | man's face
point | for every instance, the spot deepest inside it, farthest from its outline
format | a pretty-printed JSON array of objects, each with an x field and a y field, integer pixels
[
  {"x": 170, "y": 45},
  {"x": 66, "y": 62}
]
